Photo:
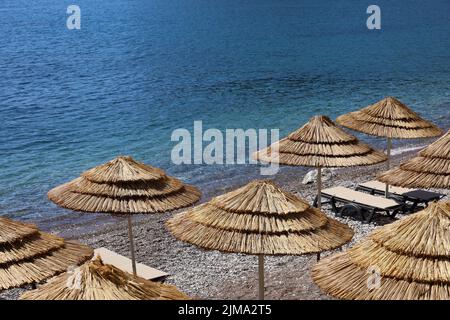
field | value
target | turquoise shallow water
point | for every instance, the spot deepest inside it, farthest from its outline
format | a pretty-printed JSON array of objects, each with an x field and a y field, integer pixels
[{"x": 137, "y": 70}]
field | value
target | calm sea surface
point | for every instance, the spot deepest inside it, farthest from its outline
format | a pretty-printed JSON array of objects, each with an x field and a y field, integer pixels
[{"x": 137, "y": 70}]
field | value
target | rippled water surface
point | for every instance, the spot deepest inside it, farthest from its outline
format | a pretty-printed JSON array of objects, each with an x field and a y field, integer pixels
[{"x": 137, "y": 70}]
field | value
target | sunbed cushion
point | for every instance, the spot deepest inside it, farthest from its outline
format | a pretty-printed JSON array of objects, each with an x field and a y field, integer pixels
[
  {"x": 124, "y": 263},
  {"x": 358, "y": 197}
]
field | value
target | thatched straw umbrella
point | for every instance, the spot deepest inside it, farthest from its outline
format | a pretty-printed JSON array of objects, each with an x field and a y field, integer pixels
[
  {"x": 429, "y": 169},
  {"x": 29, "y": 256},
  {"x": 259, "y": 219},
  {"x": 124, "y": 186},
  {"x": 408, "y": 259},
  {"x": 97, "y": 281},
  {"x": 391, "y": 119},
  {"x": 320, "y": 143}
]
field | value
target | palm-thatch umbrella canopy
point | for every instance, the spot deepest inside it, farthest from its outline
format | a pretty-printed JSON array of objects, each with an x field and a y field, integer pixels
[
  {"x": 391, "y": 119},
  {"x": 259, "y": 219},
  {"x": 29, "y": 256},
  {"x": 97, "y": 281},
  {"x": 320, "y": 143},
  {"x": 124, "y": 186},
  {"x": 408, "y": 259},
  {"x": 429, "y": 169}
]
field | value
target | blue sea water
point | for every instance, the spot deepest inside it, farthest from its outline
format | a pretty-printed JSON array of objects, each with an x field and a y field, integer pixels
[{"x": 138, "y": 69}]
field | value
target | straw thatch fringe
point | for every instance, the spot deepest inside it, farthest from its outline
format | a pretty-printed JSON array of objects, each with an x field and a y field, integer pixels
[
  {"x": 65, "y": 198},
  {"x": 410, "y": 179},
  {"x": 438, "y": 149},
  {"x": 28, "y": 255},
  {"x": 260, "y": 197},
  {"x": 411, "y": 255},
  {"x": 325, "y": 150},
  {"x": 11, "y": 231},
  {"x": 332, "y": 235},
  {"x": 400, "y": 266},
  {"x": 320, "y": 130},
  {"x": 389, "y": 118},
  {"x": 124, "y": 186},
  {"x": 161, "y": 187},
  {"x": 225, "y": 224},
  {"x": 339, "y": 277},
  {"x": 437, "y": 166},
  {"x": 210, "y": 215},
  {"x": 98, "y": 281},
  {"x": 29, "y": 247},
  {"x": 43, "y": 267},
  {"x": 123, "y": 169},
  {"x": 291, "y": 159},
  {"x": 425, "y": 234},
  {"x": 320, "y": 143},
  {"x": 430, "y": 169}
]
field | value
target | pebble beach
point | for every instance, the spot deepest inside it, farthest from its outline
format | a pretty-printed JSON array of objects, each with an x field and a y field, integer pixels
[{"x": 213, "y": 275}]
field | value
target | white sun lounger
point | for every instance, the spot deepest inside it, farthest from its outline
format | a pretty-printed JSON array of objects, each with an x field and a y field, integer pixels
[
  {"x": 359, "y": 201},
  {"x": 415, "y": 196},
  {"x": 124, "y": 264}
]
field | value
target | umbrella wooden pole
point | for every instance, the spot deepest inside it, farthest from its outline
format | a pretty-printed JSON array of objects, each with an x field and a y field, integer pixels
[
  {"x": 388, "y": 163},
  {"x": 319, "y": 188},
  {"x": 261, "y": 276},
  {"x": 130, "y": 235}
]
